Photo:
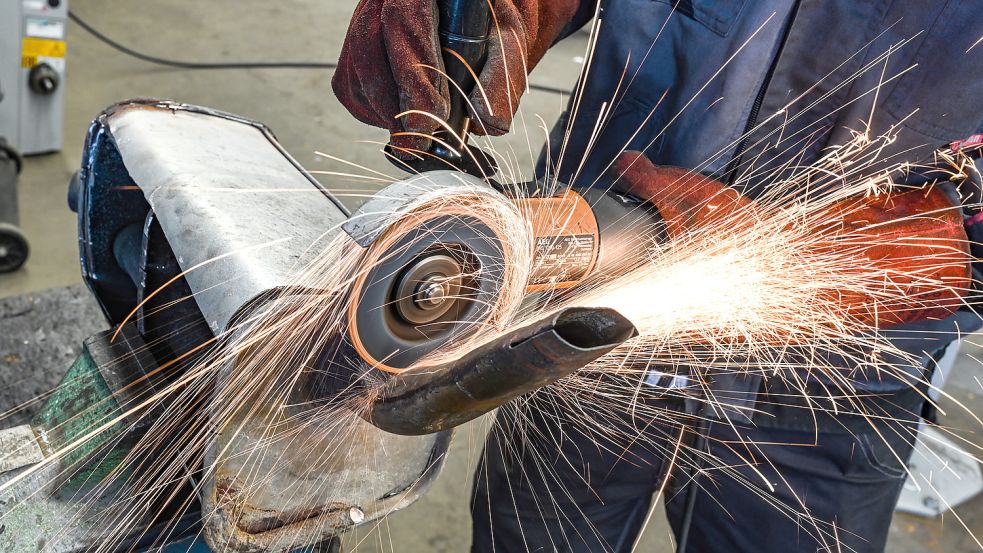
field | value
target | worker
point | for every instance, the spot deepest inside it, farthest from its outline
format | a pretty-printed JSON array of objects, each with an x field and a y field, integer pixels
[{"x": 704, "y": 85}]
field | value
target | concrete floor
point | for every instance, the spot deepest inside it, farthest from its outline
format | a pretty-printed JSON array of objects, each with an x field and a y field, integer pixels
[{"x": 299, "y": 106}]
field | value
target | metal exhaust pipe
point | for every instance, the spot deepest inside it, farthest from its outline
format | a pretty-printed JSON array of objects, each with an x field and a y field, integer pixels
[{"x": 431, "y": 399}]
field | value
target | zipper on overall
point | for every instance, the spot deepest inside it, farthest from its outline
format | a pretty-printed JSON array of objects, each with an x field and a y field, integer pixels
[{"x": 735, "y": 161}]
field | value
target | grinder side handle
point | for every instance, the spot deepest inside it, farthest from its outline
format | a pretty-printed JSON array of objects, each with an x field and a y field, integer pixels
[{"x": 463, "y": 30}]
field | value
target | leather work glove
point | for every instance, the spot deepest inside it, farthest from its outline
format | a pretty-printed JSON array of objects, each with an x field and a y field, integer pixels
[
  {"x": 915, "y": 239},
  {"x": 382, "y": 70}
]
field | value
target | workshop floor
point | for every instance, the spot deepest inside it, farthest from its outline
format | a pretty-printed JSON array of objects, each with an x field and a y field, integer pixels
[{"x": 300, "y": 107}]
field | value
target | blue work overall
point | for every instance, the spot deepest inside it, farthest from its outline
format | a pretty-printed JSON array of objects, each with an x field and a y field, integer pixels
[{"x": 701, "y": 77}]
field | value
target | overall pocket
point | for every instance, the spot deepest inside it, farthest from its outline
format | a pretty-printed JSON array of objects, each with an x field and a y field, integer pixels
[
  {"x": 882, "y": 456},
  {"x": 716, "y": 15}
]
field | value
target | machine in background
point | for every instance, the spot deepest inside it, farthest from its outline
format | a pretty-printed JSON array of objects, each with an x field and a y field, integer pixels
[
  {"x": 32, "y": 73},
  {"x": 32, "y": 76}
]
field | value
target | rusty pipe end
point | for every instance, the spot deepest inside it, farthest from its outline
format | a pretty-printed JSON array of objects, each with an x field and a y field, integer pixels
[{"x": 431, "y": 399}]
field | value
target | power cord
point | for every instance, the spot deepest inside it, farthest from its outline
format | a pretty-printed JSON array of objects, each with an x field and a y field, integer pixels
[
  {"x": 180, "y": 64},
  {"x": 195, "y": 65}
]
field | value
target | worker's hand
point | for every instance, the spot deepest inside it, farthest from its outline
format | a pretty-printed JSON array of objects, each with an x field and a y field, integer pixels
[
  {"x": 391, "y": 64},
  {"x": 909, "y": 248},
  {"x": 685, "y": 199}
]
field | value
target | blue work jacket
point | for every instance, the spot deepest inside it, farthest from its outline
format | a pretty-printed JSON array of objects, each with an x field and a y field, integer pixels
[{"x": 693, "y": 80}]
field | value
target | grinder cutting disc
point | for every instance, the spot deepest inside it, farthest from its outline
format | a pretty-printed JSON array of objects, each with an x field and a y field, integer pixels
[{"x": 431, "y": 281}]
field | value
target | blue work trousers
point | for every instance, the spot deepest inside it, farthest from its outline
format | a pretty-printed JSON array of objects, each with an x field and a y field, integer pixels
[{"x": 549, "y": 484}]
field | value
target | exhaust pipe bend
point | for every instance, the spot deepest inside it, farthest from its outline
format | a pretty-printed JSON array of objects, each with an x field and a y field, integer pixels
[{"x": 431, "y": 399}]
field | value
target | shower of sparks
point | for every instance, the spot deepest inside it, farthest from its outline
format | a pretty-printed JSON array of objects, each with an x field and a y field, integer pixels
[{"x": 781, "y": 291}]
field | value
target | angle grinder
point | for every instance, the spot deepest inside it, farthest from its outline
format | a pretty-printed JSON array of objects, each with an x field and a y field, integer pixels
[{"x": 437, "y": 279}]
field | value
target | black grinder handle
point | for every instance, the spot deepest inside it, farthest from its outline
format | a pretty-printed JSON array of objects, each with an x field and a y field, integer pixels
[{"x": 463, "y": 29}]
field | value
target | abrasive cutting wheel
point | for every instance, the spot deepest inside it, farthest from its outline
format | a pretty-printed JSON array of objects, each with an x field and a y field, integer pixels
[{"x": 429, "y": 281}]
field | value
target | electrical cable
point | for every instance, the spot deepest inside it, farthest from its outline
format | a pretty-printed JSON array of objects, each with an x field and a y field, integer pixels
[
  {"x": 180, "y": 64},
  {"x": 195, "y": 65}
]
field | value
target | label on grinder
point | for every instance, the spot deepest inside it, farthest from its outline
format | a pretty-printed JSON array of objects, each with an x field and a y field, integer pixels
[
  {"x": 563, "y": 258},
  {"x": 566, "y": 241}
]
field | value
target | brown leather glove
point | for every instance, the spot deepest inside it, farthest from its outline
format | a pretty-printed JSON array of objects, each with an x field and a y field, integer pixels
[
  {"x": 913, "y": 240},
  {"x": 382, "y": 68}
]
